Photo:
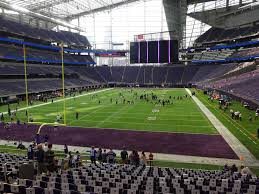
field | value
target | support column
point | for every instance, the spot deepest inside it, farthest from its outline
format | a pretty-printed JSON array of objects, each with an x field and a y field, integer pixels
[
  {"x": 227, "y": 4},
  {"x": 176, "y": 12}
]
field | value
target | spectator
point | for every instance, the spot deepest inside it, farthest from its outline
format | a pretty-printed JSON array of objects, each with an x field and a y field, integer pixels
[
  {"x": 234, "y": 168},
  {"x": 76, "y": 159},
  {"x": 45, "y": 147},
  {"x": 104, "y": 156},
  {"x": 245, "y": 170},
  {"x": 93, "y": 155},
  {"x": 50, "y": 159},
  {"x": 111, "y": 156},
  {"x": 20, "y": 146},
  {"x": 65, "y": 149},
  {"x": 124, "y": 156},
  {"x": 99, "y": 155},
  {"x": 232, "y": 113},
  {"x": 136, "y": 158},
  {"x": 70, "y": 159},
  {"x": 226, "y": 168},
  {"x": 131, "y": 158},
  {"x": 143, "y": 159},
  {"x": 30, "y": 152},
  {"x": 40, "y": 159},
  {"x": 151, "y": 159},
  {"x": 2, "y": 117}
]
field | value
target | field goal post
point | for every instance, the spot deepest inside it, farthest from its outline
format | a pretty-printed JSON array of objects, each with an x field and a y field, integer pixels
[{"x": 42, "y": 124}]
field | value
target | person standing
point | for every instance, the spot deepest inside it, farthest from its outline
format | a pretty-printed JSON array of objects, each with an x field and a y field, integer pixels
[
  {"x": 232, "y": 113},
  {"x": 30, "y": 152},
  {"x": 70, "y": 160},
  {"x": 104, "y": 156},
  {"x": 93, "y": 155},
  {"x": 40, "y": 159},
  {"x": 99, "y": 155},
  {"x": 136, "y": 159},
  {"x": 77, "y": 115},
  {"x": 2, "y": 117},
  {"x": 124, "y": 156},
  {"x": 111, "y": 157},
  {"x": 143, "y": 159},
  {"x": 151, "y": 159},
  {"x": 50, "y": 159},
  {"x": 65, "y": 149},
  {"x": 76, "y": 159}
]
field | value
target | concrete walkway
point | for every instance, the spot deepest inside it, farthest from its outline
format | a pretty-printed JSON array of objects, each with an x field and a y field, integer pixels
[
  {"x": 233, "y": 142},
  {"x": 157, "y": 156}
]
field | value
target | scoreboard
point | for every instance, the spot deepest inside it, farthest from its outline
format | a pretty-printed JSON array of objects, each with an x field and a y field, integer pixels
[{"x": 162, "y": 51}]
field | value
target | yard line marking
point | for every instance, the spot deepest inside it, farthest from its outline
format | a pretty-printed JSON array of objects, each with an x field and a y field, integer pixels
[{"x": 60, "y": 100}]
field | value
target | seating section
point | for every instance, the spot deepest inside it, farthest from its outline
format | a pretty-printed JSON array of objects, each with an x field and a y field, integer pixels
[
  {"x": 217, "y": 34},
  {"x": 85, "y": 76},
  {"x": 213, "y": 55},
  {"x": 88, "y": 76},
  {"x": 246, "y": 52},
  {"x": 129, "y": 179},
  {"x": 10, "y": 163},
  {"x": 35, "y": 55},
  {"x": 25, "y": 30},
  {"x": 244, "y": 85}
]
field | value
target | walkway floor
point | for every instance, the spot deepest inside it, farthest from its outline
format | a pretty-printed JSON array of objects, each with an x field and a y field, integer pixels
[{"x": 233, "y": 142}]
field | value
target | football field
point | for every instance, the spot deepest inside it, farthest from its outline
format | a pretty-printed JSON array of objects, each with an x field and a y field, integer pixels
[{"x": 131, "y": 109}]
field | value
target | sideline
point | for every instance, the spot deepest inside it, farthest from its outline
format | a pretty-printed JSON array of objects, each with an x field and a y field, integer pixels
[{"x": 232, "y": 141}]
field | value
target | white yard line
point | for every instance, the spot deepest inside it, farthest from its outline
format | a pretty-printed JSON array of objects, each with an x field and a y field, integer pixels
[
  {"x": 232, "y": 141},
  {"x": 60, "y": 100}
]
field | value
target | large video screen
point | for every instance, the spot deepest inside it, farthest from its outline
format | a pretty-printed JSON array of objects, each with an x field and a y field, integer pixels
[{"x": 163, "y": 51}]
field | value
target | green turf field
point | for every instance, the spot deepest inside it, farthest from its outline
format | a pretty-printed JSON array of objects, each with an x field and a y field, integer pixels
[{"x": 181, "y": 116}]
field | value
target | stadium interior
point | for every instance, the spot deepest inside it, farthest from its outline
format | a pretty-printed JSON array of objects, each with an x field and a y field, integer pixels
[{"x": 129, "y": 96}]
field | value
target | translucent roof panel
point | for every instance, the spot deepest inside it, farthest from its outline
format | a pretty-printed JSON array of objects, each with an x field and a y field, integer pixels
[{"x": 62, "y": 8}]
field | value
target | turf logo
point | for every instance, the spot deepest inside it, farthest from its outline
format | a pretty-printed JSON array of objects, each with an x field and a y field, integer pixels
[
  {"x": 155, "y": 110},
  {"x": 151, "y": 118}
]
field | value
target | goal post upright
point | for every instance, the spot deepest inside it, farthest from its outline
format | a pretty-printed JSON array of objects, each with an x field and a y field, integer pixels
[
  {"x": 26, "y": 81},
  {"x": 63, "y": 83},
  {"x": 27, "y": 92}
]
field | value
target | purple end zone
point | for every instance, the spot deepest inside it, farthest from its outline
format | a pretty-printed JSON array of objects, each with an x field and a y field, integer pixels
[{"x": 157, "y": 142}]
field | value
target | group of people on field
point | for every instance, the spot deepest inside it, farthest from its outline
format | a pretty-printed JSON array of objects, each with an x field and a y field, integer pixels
[{"x": 148, "y": 97}]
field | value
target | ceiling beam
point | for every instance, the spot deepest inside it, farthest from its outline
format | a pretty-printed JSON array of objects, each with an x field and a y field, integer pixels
[
  {"x": 39, "y": 16},
  {"x": 46, "y": 4},
  {"x": 100, "y": 9},
  {"x": 198, "y": 1}
]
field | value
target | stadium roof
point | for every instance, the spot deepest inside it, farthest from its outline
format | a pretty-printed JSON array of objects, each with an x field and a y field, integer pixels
[
  {"x": 67, "y": 9},
  {"x": 70, "y": 9}
]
